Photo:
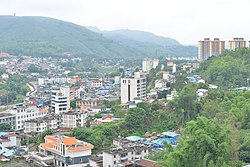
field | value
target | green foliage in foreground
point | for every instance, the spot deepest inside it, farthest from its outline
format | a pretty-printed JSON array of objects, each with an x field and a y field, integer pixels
[
  {"x": 208, "y": 143},
  {"x": 5, "y": 126}
]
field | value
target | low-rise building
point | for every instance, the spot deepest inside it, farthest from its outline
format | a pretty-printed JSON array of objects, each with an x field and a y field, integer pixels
[
  {"x": 117, "y": 156},
  {"x": 106, "y": 118},
  {"x": 84, "y": 104},
  {"x": 7, "y": 139},
  {"x": 67, "y": 151}
]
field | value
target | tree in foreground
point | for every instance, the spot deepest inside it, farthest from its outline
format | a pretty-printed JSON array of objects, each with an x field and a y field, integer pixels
[{"x": 207, "y": 143}]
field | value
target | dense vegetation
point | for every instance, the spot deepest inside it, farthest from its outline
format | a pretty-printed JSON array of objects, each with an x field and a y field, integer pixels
[
  {"x": 231, "y": 69},
  {"x": 41, "y": 36},
  {"x": 13, "y": 90}
]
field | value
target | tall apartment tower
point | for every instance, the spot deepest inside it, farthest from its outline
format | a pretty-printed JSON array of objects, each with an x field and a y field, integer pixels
[
  {"x": 134, "y": 87},
  {"x": 236, "y": 43},
  {"x": 208, "y": 48},
  {"x": 149, "y": 64}
]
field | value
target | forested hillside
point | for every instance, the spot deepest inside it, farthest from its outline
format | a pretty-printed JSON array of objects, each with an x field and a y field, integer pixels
[
  {"x": 42, "y": 36},
  {"x": 229, "y": 70}
]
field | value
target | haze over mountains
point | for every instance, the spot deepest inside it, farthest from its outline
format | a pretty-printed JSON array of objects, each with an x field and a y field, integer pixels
[{"x": 43, "y": 36}]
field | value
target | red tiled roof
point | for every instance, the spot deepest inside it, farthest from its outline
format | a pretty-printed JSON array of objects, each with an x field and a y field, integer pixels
[{"x": 67, "y": 141}]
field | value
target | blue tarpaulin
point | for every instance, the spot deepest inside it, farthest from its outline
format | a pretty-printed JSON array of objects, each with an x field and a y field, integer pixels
[
  {"x": 135, "y": 138},
  {"x": 160, "y": 141}
]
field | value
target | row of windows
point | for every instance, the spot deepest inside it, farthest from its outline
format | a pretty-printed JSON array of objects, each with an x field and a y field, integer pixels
[
  {"x": 30, "y": 115},
  {"x": 7, "y": 119}
]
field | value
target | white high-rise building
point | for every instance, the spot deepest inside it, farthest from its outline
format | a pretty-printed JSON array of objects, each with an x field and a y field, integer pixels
[
  {"x": 60, "y": 100},
  {"x": 134, "y": 87},
  {"x": 149, "y": 64}
]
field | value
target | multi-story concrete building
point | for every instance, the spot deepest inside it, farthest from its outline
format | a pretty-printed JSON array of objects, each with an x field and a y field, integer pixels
[
  {"x": 115, "y": 157},
  {"x": 74, "y": 119},
  {"x": 42, "y": 124},
  {"x": 208, "y": 48},
  {"x": 133, "y": 87},
  {"x": 96, "y": 83},
  {"x": 60, "y": 100},
  {"x": 84, "y": 104},
  {"x": 8, "y": 118},
  {"x": 149, "y": 64},
  {"x": 236, "y": 43},
  {"x": 67, "y": 151},
  {"x": 23, "y": 114}
]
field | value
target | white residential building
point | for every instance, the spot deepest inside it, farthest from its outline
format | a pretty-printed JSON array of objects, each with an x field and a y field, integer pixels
[
  {"x": 23, "y": 114},
  {"x": 116, "y": 156},
  {"x": 42, "y": 124},
  {"x": 149, "y": 64},
  {"x": 60, "y": 100},
  {"x": 133, "y": 87},
  {"x": 74, "y": 119}
]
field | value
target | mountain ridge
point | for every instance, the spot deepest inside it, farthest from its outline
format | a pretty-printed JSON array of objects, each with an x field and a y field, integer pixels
[{"x": 44, "y": 36}]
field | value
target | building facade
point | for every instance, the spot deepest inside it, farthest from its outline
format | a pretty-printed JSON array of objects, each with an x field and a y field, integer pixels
[
  {"x": 23, "y": 114},
  {"x": 149, "y": 64},
  {"x": 84, "y": 104},
  {"x": 74, "y": 119},
  {"x": 6, "y": 118},
  {"x": 208, "y": 48},
  {"x": 60, "y": 100},
  {"x": 67, "y": 151},
  {"x": 133, "y": 87},
  {"x": 116, "y": 157},
  {"x": 42, "y": 124},
  {"x": 236, "y": 43}
]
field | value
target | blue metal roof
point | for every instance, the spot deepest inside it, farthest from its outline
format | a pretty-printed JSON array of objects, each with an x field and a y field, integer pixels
[{"x": 170, "y": 134}]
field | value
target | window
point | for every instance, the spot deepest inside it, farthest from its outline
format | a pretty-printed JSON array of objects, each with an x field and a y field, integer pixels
[
  {"x": 114, "y": 156},
  {"x": 114, "y": 162}
]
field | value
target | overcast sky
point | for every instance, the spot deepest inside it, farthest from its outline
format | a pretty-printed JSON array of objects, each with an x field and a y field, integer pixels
[{"x": 184, "y": 20}]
